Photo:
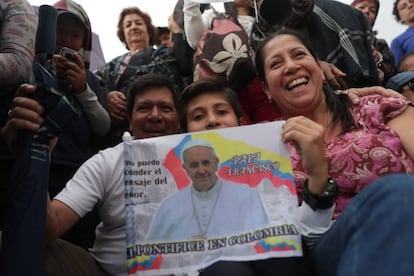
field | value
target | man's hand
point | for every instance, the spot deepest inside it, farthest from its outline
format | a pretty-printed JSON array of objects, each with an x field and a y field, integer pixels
[
  {"x": 173, "y": 26},
  {"x": 333, "y": 75},
  {"x": 25, "y": 114}
]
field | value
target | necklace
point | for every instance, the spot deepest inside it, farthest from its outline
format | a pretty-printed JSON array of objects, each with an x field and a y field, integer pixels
[{"x": 203, "y": 231}]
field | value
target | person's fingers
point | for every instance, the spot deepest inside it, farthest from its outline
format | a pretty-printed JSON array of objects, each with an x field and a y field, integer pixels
[
  {"x": 23, "y": 103},
  {"x": 330, "y": 77},
  {"x": 19, "y": 124},
  {"x": 328, "y": 74},
  {"x": 115, "y": 96},
  {"x": 29, "y": 115},
  {"x": 117, "y": 117},
  {"x": 337, "y": 72},
  {"x": 353, "y": 95},
  {"x": 119, "y": 112},
  {"x": 25, "y": 90},
  {"x": 334, "y": 83}
]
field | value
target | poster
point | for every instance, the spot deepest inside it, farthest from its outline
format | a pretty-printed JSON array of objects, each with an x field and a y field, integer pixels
[{"x": 195, "y": 198}]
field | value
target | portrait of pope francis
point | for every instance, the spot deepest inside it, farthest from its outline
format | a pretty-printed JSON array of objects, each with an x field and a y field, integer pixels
[{"x": 210, "y": 207}]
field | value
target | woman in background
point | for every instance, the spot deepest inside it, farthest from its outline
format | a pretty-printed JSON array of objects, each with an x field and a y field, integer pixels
[{"x": 138, "y": 34}]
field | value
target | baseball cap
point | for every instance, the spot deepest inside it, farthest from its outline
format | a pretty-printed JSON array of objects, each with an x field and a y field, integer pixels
[
  {"x": 397, "y": 81},
  {"x": 162, "y": 30}
]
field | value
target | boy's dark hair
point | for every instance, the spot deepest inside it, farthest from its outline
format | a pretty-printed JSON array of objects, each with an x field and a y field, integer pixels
[
  {"x": 142, "y": 83},
  {"x": 206, "y": 86}
]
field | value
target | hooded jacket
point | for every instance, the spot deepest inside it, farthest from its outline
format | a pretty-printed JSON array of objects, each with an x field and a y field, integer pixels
[
  {"x": 73, "y": 8},
  {"x": 74, "y": 145}
]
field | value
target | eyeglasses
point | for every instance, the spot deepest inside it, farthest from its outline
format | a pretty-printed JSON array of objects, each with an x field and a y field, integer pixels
[{"x": 407, "y": 86}]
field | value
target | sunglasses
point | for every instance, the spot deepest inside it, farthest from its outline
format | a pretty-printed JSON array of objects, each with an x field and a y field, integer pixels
[{"x": 410, "y": 85}]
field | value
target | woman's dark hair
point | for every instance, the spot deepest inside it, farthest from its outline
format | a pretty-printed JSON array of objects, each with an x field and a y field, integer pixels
[
  {"x": 395, "y": 11},
  {"x": 148, "y": 81},
  {"x": 152, "y": 30},
  {"x": 206, "y": 86},
  {"x": 339, "y": 105}
]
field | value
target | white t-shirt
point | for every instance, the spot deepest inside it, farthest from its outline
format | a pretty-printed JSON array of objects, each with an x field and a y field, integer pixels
[{"x": 100, "y": 181}]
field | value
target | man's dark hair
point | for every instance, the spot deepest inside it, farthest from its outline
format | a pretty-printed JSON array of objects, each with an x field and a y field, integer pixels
[
  {"x": 148, "y": 81},
  {"x": 206, "y": 86}
]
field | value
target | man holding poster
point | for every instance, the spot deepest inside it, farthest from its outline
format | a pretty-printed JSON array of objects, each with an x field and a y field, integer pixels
[{"x": 211, "y": 207}]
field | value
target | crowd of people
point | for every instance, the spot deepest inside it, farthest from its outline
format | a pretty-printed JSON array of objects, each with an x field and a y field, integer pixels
[{"x": 351, "y": 146}]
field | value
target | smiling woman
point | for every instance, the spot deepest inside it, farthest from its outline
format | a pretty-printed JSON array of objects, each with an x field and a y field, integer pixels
[
  {"x": 329, "y": 139},
  {"x": 323, "y": 126}
]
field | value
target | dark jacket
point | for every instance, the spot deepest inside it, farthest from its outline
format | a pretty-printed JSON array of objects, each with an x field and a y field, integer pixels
[
  {"x": 340, "y": 34},
  {"x": 148, "y": 60}
]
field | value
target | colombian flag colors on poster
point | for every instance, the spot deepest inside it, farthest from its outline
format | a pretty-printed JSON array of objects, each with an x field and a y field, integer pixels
[{"x": 247, "y": 170}]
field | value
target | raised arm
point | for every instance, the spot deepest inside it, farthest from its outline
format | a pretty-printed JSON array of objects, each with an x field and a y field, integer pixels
[
  {"x": 17, "y": 38},
  {"x": 26, "y": 114},
  {"x": 193, "y": 22},
  {"x": 356, "y": 93}
]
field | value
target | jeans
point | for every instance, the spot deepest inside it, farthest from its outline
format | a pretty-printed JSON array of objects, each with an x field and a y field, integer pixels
[
  {"x": 66, "y": 259},
  {"x": 375, "y": 233}
]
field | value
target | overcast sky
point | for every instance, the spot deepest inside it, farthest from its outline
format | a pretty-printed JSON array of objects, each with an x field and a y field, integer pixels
[{"x": 104, "y": 17}]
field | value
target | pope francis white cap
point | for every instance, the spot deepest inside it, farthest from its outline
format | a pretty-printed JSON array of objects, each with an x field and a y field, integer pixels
[{"x": 196, "y": 142}]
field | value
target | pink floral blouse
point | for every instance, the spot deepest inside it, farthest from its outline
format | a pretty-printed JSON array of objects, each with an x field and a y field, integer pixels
[{"x": 365, "y": 153}]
